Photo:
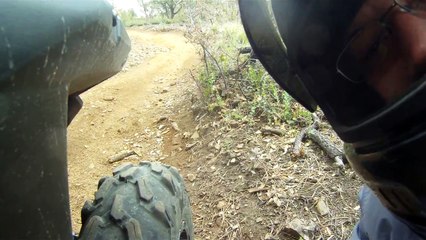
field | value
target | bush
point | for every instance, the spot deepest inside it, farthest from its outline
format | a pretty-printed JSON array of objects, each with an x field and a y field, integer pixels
[
  {"x": 230, "y": 83},
  {"x": 130, "y": 19},
  {"x": 237, "y": 85}
]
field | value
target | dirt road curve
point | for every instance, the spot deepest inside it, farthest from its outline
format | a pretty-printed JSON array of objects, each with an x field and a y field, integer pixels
[{"x": 123, "y": 112}]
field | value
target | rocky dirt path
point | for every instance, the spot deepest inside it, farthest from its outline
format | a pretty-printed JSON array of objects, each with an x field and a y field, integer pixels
[
  {"x": 145, "y": 108},
  {"x": 243, "y": 184}
]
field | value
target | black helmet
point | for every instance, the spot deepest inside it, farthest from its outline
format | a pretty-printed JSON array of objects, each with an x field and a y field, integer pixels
[{"x": 363, "y": 63}]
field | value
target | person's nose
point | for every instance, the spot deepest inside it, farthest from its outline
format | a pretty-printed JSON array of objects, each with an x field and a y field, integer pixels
[{"x": 410, "y": 31}]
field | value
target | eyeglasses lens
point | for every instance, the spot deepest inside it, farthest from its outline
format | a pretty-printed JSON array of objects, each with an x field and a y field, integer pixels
[
  {"x": 363, "y": 52},
  {"x": 415, "y": 7}
]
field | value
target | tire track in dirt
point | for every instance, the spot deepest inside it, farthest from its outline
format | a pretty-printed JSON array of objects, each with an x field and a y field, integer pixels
[{"x": 122, "y": 112}]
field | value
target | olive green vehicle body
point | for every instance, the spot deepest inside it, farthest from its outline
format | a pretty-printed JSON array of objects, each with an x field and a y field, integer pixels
[{"x": 50, "y": 51}]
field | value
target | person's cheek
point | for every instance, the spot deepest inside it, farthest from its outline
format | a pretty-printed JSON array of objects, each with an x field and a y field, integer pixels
[
  {"x": 392, "y": 78},
  {"x": 411, "y": 33}
]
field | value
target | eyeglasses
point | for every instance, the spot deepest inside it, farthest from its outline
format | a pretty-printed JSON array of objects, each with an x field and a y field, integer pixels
[
  {"x": 365, "y": 49},
  {"x": 415, "y": 7}
]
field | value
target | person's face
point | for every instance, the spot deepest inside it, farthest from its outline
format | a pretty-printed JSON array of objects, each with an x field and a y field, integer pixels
[{"x": 400, "y": 59}]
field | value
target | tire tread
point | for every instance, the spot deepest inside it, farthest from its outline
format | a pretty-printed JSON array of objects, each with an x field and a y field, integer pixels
[{"x": 146, "y": 201}]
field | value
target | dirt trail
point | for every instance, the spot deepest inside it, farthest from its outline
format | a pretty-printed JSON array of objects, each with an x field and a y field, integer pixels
[
  {"x": 243, "y": 184},
  {"x": 123, "y": 112}
]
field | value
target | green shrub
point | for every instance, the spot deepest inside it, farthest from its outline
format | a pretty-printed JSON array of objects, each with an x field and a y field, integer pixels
[
  {"x": 264, "y": 99},
  {"x": 130, "y": 19}
]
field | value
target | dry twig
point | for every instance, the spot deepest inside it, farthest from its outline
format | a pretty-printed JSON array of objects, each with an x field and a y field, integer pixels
[
  {"x": 269, "y": 131},
  {"x": 297, "y": 149},
  {"x": 332, "y": 151},
  {"x": 121, "y": 156}
]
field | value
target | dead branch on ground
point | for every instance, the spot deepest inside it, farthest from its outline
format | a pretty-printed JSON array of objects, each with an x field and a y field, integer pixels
[
  {"x": 297, "y": 149},
  {"x": 332, "y": 151},
  {"x": 322, "y": 141},
  {"x": 269, "y": 131},
  {"x": 121, "y": 156}
]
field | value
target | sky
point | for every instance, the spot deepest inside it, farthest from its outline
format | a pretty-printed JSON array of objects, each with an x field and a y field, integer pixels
[{"x": 126, "y": 5}]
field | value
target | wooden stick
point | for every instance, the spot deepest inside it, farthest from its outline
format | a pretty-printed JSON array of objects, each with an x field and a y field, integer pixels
[
  {"x": 121, "y": 156},
  {"x": 332, "y": 151},
  {"x": 297, "y": 149},
  {"x": 268, "y": 131}
]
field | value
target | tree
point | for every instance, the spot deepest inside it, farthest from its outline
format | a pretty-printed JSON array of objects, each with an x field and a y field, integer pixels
[
  {"x": 147, "y": 10},
  {"x": 169, "y": 7}
]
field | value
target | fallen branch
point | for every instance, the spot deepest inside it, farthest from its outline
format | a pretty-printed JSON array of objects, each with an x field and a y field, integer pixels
[
  {"x": 121, "y": 156},
  {"x": 332, "y": 151},
  {"x": 244, "y": 50},
  {"x": 297, "y": 149},
  {"x": 329, "y": 148},
  {"x": 269, "y": 131},
  {"x": 189, "y": 146},
  {"x": 261, "y": 188},
  {"x": 247, "y": 50}
]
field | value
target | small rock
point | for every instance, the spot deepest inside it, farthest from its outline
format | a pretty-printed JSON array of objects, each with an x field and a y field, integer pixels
[
  {"x": 259, "y": 220},
  {"x": 290, "y": 233},
  {"x": 91, "y": 166},
  {"x": 322, "y": 207},
  {"x": 191, "y": 177},
  {"x": 234, "y": 124},
  {"x": 161, "y": 127},
  {"x": 195, "y": 136},
  {"x": 186, "y": 135},
  {"x": 164, "y": 91},
  {"x": 189, "y": 146},
  {"x": 310, "y": 227},
  {"x": 175, "y": 126},
  {"x": 277, "y": 201},
  {"x": 108, "y": 99},
  {"x": 221, "y": 204},
  {"x": 233, "y": 161},
  {"x": 241, "y": 145},
  {"x": 297, "y": 225},
  {"x": 162, "y": 118}
]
